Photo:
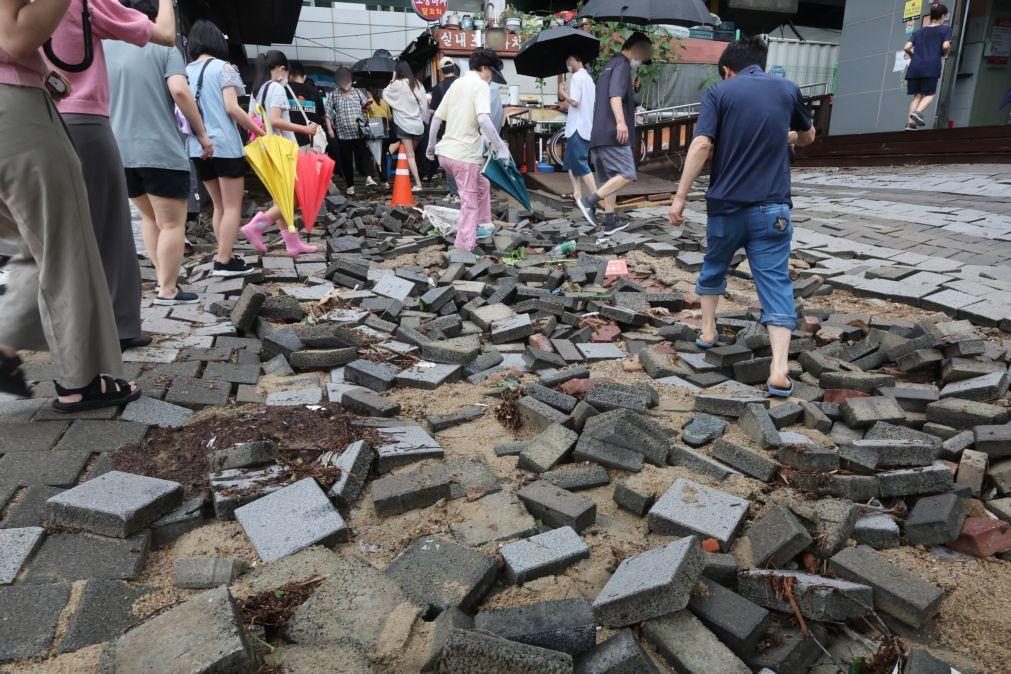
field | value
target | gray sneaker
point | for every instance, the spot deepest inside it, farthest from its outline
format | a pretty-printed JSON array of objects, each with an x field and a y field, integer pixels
[
  {"x": 589, "y": 212},
  {"x": 918, "y": 118},
  {"x": 616, "y": 226}
]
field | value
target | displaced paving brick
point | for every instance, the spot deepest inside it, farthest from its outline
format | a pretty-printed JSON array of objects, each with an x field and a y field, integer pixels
[
  {"x": 702, "y": 429},
  {"x": 683, "y": 640},
  {"x": 960, "y": 413},
  {"x": 815, "y": 418},
  {"x": 28, "y": 617},
  {"x": 115, "y": 504},
  {"x": 70, "y": 557},
  {"x": 748, "y": 461},
  {"x": 619, "y": 653},
  {"x": 688, "y": 508},
  {"x": 204, "y": 634},
  {"x": 777, "y": 538},
  {"x": 831, "y": 524},
  {"x": 698, "y": 462},
  {"x": 437, "y": 573},
  {"x": 919, "y": 661},
  {"x": 631, "y": 431},
  {"x": 547, "y": 449},
  {"x": 321, "y": 359},
  {"x": 817, "y": 597},
  {"x": 556, "y": 399},
  {"x": 248, "y": 307},
  {"x": 31, "y": 508},
  {"x": 786, "y": 414},
  {"x": 878, "y": 530},
  {"x": 16, "y": 546},
  {"x": 727, "y": 405},
  {"x": 855, "y": 381},
  {"x": 737, "y": 622},
  {"x": 565, "y": 625},
  {"x": 650, "y": 584},
  {"x": 496, "y": 517},
  {"x": 98, "y": 435},
  {"x": 987, "y": 387},
  {"x": 994, "y": 441},
  {"x": 577, "y": 477},
  {"x": 291, "y": 519},
  {"x": 512, "y": 329},
  {"x": 606, "y": 398},
  {"x": 983, "y": 537},
  {"x": 355, "y": 462},
  {"x": 429, "y": 376},
  {"x": 201, "y": 573},
  {"x": 403, "y": 445},
  {"x": 296, "y": 397},
  {"x": 638, "y": 492},
  {"x": 545, "y": 554},
  {"x": 897, "y": 592},
  {"x": 400, "y": 492},
  {"x": 557, "y": 507},
  {"x": 469, "y": 651},
  {"x": 605, "y": 454},
  {"x": 758, "y": 425},
  {"x": 936, "y": 520},
  {"x": 369, "y": 404},
  {"x": 440, "y": 422},
  {"x": 537, "y": 415},
  {"x": 931, "y": 479},
  {"x": 793, "y": 651},
  {"x": 887, "y": 453},
  {"x": 198, "y": 393},
  {"x": 865, "y": 412},
  {"x": 187, "y": 517},
  {"x": 243, "y": 455},
  {"x": 809, "y": 457},
  {"x": 971, "y": 470},
  {"x": 376, "y": 376},
  {"x": 233, "y": 488}
]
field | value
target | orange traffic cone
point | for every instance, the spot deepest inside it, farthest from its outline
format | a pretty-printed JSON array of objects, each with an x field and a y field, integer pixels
[{"x": 402, "y": 194}]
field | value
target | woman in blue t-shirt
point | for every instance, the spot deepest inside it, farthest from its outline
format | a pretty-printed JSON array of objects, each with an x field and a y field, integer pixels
[{"x": 926, "y": 50}]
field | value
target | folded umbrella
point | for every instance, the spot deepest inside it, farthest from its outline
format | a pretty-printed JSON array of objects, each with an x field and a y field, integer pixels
[
  {"x": 506, "y": 176},
  {"x": 313, "y": 173},
  {"x": 672, "y": 12},
  {"x": 274, "y": 159},
  {"x": 544, "y": 56}
]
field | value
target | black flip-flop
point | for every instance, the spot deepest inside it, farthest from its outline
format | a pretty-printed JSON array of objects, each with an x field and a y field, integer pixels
[
  {"x": 117, "y": 393},
  {"x": 12, "y": 378}
]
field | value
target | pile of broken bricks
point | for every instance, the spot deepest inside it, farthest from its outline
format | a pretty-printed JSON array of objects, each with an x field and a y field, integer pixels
[{"x": 897, "y": 434}]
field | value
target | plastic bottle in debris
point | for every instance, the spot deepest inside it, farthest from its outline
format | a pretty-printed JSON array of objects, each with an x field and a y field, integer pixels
[{"x": 562, "y": 250}]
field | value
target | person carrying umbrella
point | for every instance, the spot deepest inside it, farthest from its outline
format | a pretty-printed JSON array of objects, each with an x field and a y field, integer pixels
[
  {"x": 580, "y": 97},
  {"x": 751, "y": 119},
  {"x": 348, "y": 105},
  {"x": 613, "y": 131},
  {"x": 272, "y": 96},
  {"x": 466, "y": 111}
]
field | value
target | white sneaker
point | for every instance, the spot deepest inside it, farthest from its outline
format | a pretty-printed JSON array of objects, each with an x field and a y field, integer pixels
[
  {"x": 369, "y": 182},
  {"x": 350, "y": 192}
]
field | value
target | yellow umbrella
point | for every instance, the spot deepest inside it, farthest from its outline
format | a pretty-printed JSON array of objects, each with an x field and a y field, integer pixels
[{"x": 274, "y": 159}]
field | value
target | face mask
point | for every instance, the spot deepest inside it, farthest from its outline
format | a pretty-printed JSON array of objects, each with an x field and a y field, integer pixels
[
  {"x": 568, "y": 66},
  {"x": 636, "y": 63},
  {"x": 346, "y": 86}
]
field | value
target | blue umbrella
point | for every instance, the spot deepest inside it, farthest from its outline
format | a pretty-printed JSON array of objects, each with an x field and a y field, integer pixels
[{"x": 508, "y": 177}]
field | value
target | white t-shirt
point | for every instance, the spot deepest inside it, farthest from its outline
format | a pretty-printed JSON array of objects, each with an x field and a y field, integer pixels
[
  {"x": 463, "y": 102},
  {"x": 276, "y": 96},
  {"x": 583, "y": 91}
]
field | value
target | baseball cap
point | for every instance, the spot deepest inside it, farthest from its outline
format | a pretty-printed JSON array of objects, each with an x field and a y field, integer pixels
[{"x": 446, "y": 62}]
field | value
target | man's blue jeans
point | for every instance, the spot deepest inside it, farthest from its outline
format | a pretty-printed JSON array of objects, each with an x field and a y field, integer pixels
[{"x": 764, "y": 232}]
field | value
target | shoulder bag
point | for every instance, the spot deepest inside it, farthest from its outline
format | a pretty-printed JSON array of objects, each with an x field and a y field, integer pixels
[{"x": 318, "y": 141}]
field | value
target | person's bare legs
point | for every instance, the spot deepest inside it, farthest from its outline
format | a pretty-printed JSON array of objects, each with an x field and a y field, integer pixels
[
  {"x": 709, "y": 304},
  {"x": 779, "y": 339},
  {"x": 148, "y": 228},
  {"x": 170, "y": 216},
  {"x": 913, "y": 103},
  {"x": 214, "y": 190},
  {"x": 577, "y": 192},
  {"x": 230, "y": 192},
  {"x": 412, "y": 163},
  {"x": 612, "y": 187},
  {"x": 590, "y": 182},
  {"x": 924, "y": 103}
]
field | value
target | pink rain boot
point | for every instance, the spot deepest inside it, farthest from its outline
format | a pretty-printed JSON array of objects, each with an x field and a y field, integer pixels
[
  {"x": 293, "y": 243},
  {"x": 253, "y": 231}
]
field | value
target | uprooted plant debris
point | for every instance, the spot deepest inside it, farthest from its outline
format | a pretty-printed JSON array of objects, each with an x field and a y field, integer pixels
[
  {"x": 273, "y": 608},
  {"x": 303, "y": 434}
]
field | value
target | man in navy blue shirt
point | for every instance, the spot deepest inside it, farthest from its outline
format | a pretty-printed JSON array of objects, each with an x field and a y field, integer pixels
[{"x": 746, "y": 124}]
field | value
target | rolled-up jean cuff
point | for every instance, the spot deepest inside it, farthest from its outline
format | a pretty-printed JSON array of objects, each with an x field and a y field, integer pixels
[
  {"x": 779, "y": 320},
  {"x": 712, "y": 290}
]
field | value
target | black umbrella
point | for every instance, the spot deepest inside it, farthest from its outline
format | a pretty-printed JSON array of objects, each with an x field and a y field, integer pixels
[
  {"x": 545, "y": 55},
  {"x": 675, "y": 12},
  {"x": 375, "y": 65}
]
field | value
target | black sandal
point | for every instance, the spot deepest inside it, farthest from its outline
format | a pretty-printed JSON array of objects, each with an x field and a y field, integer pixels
[
  {"x": 117, "y": 393},
  {"x": 12, "y": 378}
]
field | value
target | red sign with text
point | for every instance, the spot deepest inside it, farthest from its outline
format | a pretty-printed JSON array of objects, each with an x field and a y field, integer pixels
[
  {"x": 459, "y": 42},
  {"x": 430, "y": 10}
]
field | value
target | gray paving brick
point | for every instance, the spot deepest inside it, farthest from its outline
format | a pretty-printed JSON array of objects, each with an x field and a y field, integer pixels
[
  {"x": 818, "y": 598},
  {"x": 398, "y": 493},
  {"x": 543, "y": 555},
  {"x": 56, "y": 469},
  {"x": 685, "y": 642},
  {"x": 291, "y": 519},
  {"x": 28, "y": 618},
  {"x": 115, "y": 504},
  {"x": 564, "y": 625},
  {"x": 70, "y": 557},
  {"x": 688, "y": 508},
  {"x": 557, "y": 507},
  {"x": 438, "y": 573}
]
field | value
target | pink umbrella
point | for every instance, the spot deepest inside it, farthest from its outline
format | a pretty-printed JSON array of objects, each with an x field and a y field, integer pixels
[{"x": 313, "y": 172}]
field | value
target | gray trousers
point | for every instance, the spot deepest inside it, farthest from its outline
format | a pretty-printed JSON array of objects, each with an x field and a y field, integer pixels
[
  {"x": 57, "y": 297},
  {"x": 109, "y": 204}
]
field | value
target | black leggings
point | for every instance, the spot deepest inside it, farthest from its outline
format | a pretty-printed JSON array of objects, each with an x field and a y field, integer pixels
[{"x": 354, "y": 152}]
